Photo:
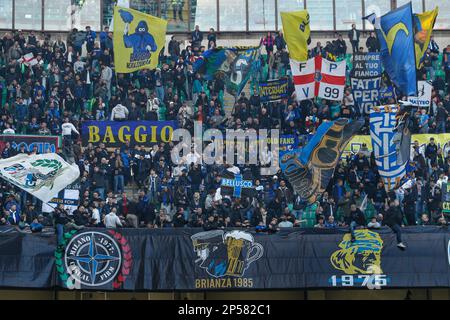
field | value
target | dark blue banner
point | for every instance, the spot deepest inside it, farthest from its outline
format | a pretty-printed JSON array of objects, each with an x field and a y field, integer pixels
[
  {"x": 366, "y": 65},
  {"x": 273, "y": 90},
  {"x": 288, "y": 142},
  {"x": 115, "y": 133},
  {"x": 366, "y": 93},
  {"x": 224, "y": 259},
  {"x": 387, "y": 93}
]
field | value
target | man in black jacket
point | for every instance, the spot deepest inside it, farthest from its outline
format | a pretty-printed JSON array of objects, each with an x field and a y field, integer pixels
[
  {"x": 372, "y": 43},
  {"x": 196, "y": 37},
  {"x": 394, "y": 219},
  {"x": 353, "y": 36},
  {"x": 357, "y": 218}
]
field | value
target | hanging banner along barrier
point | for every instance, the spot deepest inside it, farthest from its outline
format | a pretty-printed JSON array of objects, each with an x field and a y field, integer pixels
[
  {"x": 366, "y": 93},
  {"x": 273, "y": 90},
  {"x": 366, "y": 66},
  {"x": 230, "y": 259},
  {"x": 44, "y": 144},
  {"x": 69, "y": 197},
  {"x": 115, "y": 133},
  {"x": 442, "y": 141},
  {"x": 423, "y": 99}
]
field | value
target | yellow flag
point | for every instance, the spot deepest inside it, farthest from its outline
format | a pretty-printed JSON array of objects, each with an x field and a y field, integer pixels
[
  {"x": 138, "y": 40},
  {"x": 296, "y": 33},
  {"x": 423, "y": 26}
]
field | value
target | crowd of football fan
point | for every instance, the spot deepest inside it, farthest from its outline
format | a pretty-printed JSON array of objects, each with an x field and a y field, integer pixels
[{"x": 74, "y": 80}]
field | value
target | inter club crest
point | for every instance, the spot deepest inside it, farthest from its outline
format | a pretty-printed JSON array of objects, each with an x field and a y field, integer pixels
[{"x": 93, "y": 259}]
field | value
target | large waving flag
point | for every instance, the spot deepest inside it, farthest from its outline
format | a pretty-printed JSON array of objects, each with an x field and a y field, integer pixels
[
  {"x": 296, "y": 30},
  {"x": 138, "y": 40},
  {"x": 233, "y": 65},
  {"x": 43, "y": 175},
  {"x": 211, "y": 63},
  {"x": 309, "y": 169},
  {"x": 391, "y": 142},
  {"x": 319, "y": 77},
  {"x": 396, "y": 36},
  {"x": 245, "y": 64},
  {"x": 423, "y": 28}
]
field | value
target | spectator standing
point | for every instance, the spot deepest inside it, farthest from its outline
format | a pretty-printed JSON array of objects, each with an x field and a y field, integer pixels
[
  {"x": 103, "y": 38},
  {"x": 268, "y": 41},
  {"x": 112, "y": 220},
  {"x": 177, "y": 8},
  {"x": 119, "y": 113},
  {"x": 394, "y": 219},
  {"x": 341, "y": 49},
  {"x": 280, "y": 43},
  {"x": 372, "y": 43},
  {"x": 212, "y": 38},
  {"x": 356, "y": 219},
  {"x": 197, "y": 37},
  {"x": 353, "y": 36},
  {"x": 90, "y": 39},
  {"x": 174, "y": 48},
  {"x": 67, "y": 129}
]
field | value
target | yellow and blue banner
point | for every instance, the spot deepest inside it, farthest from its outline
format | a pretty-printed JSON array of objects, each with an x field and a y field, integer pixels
[
  {"x": 423, "y": 28},
  {"x": 442, "y": 140},
  {"x": 115, "y": 133},
  {"x": 396, "y": 35},
  {"x": 297, "y": 32},
  {"x": 138, "y": 40}
]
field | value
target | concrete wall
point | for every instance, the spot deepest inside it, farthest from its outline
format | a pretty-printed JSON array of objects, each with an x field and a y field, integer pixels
[{"x": 386, "y": 294}]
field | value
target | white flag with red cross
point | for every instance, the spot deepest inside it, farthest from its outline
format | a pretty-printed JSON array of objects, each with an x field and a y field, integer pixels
[
  {"x": 28, "y": 60},
  {"x": 319, "y": 77}
]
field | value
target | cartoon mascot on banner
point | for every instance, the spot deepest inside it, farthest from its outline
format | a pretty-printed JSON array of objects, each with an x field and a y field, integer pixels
[
  {"x": 360, "y": 257},
  {"x": 141, "y": 40}
]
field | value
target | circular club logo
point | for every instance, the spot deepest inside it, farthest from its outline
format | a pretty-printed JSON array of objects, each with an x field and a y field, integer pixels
[{"x": 94, "y": 259}]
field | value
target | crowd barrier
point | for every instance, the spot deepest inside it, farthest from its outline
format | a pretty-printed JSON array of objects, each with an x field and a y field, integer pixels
[{"x": 194, "y": 259}]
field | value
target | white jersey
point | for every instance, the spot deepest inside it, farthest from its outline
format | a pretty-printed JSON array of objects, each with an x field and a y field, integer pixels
[{"x": 68, "y": 128}]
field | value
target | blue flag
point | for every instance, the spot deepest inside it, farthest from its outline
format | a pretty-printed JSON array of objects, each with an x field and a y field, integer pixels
[
  {"x": 391, "y": 141},
  {"x": 233, "y": 65},
  {"x": 396, "y": 35},
  {"x": 309, "y": 169}
]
